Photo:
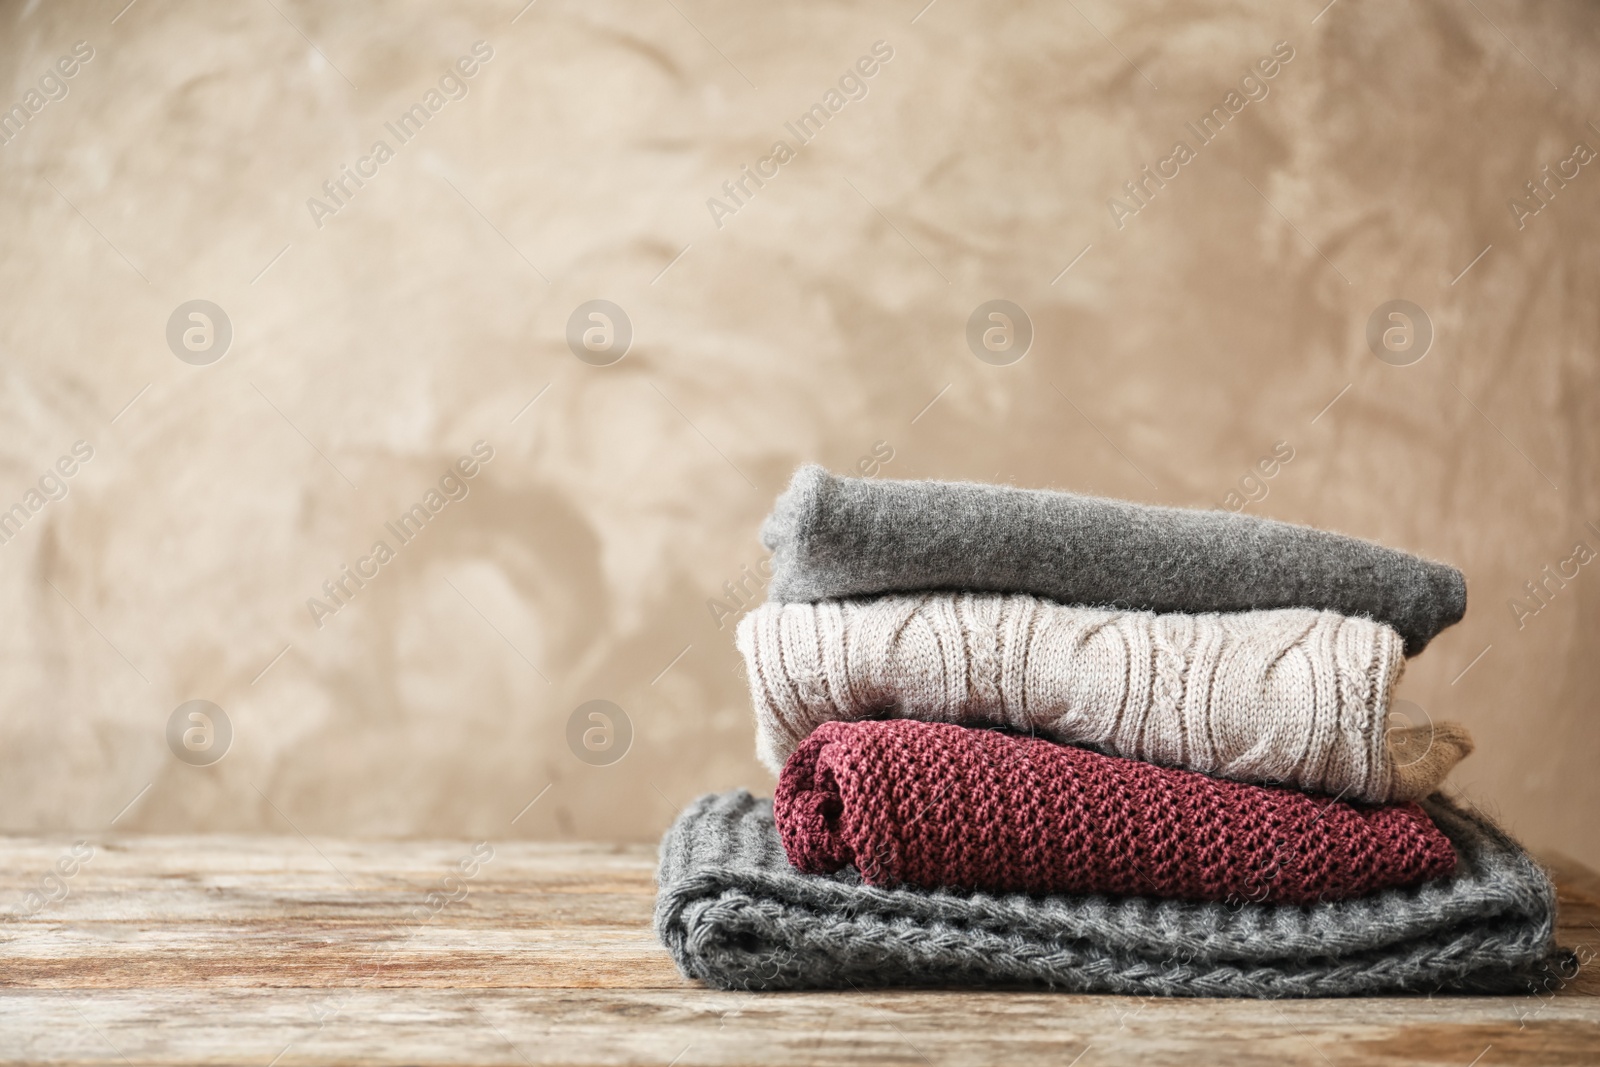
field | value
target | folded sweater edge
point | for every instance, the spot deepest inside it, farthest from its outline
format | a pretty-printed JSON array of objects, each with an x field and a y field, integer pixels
[{"x": 812, "y": 525}]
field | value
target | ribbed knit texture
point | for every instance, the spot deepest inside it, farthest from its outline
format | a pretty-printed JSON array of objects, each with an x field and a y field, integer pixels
[
  {"x": 929, "y": 804},
  {"x": 848, "y": 537},
  {"x": 1292, "y": 697},
  {"x": 734, "y": 914}
]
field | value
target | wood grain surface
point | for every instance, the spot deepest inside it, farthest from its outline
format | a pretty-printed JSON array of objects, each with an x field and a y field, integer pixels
[{"x": 283, "y": 950}]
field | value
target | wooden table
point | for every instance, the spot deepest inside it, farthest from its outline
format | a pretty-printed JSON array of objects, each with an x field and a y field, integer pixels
[{"x": 261, "y": 950}]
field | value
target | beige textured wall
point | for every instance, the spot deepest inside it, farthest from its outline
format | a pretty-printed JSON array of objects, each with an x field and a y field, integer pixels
[{"x": 1224, "y": 316}]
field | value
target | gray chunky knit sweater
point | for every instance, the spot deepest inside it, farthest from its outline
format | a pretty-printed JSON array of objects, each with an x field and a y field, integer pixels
[
  {"x": 848, "y": 537},
  {"x": 735, "y": 915}
]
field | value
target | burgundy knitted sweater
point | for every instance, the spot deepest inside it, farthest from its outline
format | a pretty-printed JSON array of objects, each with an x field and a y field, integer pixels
[{"x": 930, "y": 804}]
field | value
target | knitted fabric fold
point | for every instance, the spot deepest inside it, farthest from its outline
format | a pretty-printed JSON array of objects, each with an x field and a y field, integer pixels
[
  {"x": 847, "y": 537},
  {"x": 931, "y": 805},
  {"x": 1287, "y": 697},
  {"x": 734, "y": 914}
]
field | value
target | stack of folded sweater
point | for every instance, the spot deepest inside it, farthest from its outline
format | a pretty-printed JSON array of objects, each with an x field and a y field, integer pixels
[{"x": 1028, "y": 737}]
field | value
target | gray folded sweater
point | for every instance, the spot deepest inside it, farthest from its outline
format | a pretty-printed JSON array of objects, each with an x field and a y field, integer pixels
[
  {"x": 735, "y": 915},
  {"x": 849, "y": 537}
]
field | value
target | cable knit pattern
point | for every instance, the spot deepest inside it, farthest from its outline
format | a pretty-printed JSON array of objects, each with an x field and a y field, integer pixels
[
  {"x": 932, "y": 805},
  {"x": 734, "y": 914},
  {"x": 1293, "y": 697},
  {"x": 847, "y": 537}
]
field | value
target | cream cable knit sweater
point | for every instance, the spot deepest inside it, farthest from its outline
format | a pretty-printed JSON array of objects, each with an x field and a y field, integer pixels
[{"x": 1290, "y": 696}]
